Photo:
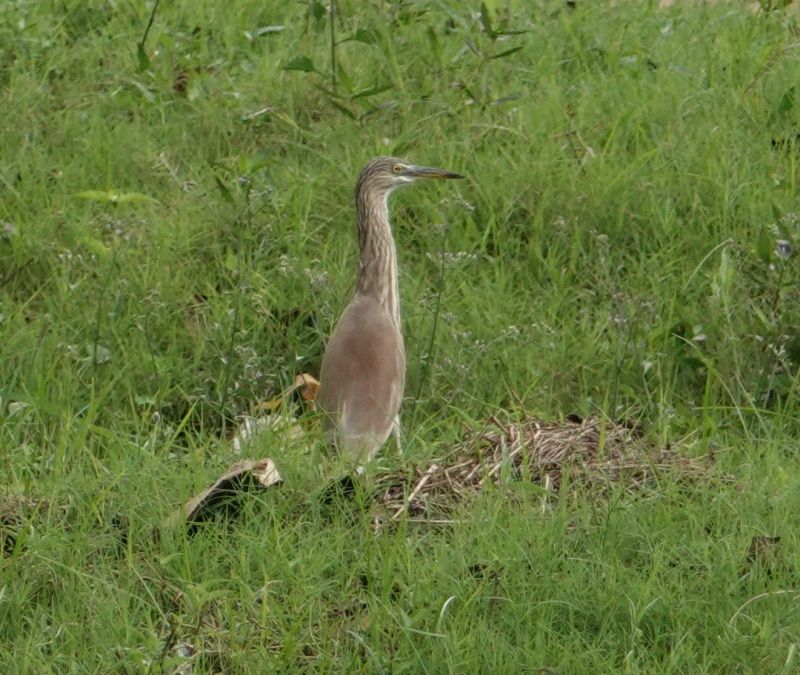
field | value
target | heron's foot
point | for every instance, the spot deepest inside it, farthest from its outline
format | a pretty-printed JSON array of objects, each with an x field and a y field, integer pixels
[{"x": 343, "y": 488}]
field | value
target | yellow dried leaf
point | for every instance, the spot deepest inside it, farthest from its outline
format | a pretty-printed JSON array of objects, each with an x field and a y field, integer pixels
[
  {"x": 270, "y": 406},
  {"x": 308, "y": 385}
]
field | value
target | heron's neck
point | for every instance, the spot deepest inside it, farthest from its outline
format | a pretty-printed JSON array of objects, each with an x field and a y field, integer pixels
[{"x": 377, "y": 270}]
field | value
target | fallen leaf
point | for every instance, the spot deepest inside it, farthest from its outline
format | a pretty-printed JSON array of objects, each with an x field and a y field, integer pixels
[
  {"x": 762, "y": 552},
  {"x": 237, "y": 480},
  {"x": 180, "y": 82},
  {"x": 250, "y": 427},
  {"x": 308, "y": 385},
  {"x": 270, "y": 406}
]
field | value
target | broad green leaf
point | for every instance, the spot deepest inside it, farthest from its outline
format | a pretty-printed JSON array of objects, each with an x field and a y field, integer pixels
[
  {"x": 343, "y": 77},
  {"x": 787, "y": 101},
  {"x": 249, "y": 164},
  {"x": 377, "y": 89},
  {"x": 486, "y": 20},
  {"x": 500, "y": 33},
  {"x": 258, "y": 161},
  {"x": 96, "y": 247},
  {"x": 317, "y": 10},
  {"x": 777, "y": 213},
  {"x": 507, "y": 52},
  {"x": 286, "y": 119},
  {"x": 436, "y": 48},
  {"x": 231, "y": 261},
  {"x": 342, "y": 109},
  {"x": 142, "y": 59},
  {"x": 301, "y": 63},
  {"x": 143, "y": 90},
  {"x": 223, "y": 190},
  {"x": 365, "y": 36},
  {"x": 765, "y": 245}
]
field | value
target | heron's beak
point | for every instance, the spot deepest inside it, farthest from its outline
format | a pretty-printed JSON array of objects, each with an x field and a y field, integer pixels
[{"x": 429, "y": 172}]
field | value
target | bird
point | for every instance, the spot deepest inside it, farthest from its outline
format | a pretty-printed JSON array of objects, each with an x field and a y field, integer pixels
[{"x": 363, "y": 372}]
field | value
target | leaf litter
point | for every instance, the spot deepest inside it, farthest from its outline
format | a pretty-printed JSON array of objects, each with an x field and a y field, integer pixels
[{"x": 589, "y": 455}]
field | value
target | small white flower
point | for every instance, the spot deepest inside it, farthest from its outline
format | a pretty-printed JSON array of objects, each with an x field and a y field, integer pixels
[{"x": 783, "y": 249}]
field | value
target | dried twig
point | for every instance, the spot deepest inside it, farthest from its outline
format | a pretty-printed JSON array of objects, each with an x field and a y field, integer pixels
[{"x": 425, "y": 478}]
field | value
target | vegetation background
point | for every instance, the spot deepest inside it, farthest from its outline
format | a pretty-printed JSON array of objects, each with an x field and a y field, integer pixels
[{"x": 177, "y": 237}]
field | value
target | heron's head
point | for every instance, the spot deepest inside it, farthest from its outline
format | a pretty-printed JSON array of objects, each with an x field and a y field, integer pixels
[{"x": 383, "y": 174}]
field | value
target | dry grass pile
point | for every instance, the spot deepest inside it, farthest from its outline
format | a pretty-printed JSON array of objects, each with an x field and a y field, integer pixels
[{"x": 595, "y": 454}]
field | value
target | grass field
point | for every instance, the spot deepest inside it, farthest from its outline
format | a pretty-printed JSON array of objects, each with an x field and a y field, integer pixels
[{"x": 177, "y": 238}]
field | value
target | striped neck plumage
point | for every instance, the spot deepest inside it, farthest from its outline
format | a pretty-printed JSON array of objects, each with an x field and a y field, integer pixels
[{"x": 377, "y": 270}]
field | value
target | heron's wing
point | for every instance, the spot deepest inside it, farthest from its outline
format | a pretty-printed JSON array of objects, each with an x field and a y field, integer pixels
[{"x": 362, "y": 379}]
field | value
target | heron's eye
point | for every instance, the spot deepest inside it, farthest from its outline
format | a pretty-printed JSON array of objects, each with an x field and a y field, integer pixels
[{"x": 397, "y": 168}]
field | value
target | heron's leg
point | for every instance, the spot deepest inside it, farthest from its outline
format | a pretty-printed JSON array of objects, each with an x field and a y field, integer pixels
[{"x": 396, "y": 433}]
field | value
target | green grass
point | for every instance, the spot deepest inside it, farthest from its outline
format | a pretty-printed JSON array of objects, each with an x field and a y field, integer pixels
[{"x": 629, "y": 171}]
